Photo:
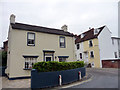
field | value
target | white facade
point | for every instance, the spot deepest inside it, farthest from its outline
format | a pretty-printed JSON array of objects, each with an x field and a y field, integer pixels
[
  {"x": 116, "y": 45},
  {"x": 78, "y": 51},
  {"x": 119, "y": 19},
  {"x": 105, "y": 45}
]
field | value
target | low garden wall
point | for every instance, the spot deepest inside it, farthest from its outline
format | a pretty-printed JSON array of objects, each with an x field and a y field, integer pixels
[{"x": 49, "y": 79}]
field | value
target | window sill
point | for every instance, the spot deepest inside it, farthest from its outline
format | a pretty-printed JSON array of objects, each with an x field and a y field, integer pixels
[
  {"x": 30, "y": 44},
  {"x": 62, "y": 47},
  {"x": 27, "y": 69},
  {"x": 90, "y": 46}
]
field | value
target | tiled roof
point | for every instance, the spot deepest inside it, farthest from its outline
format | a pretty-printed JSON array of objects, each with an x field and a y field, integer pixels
[
  {"x": 88, "y": 35},
  {"x": 21, "y": 26}
]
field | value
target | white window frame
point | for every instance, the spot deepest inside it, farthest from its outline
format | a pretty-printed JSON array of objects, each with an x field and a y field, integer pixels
[
  {"x": 64, "y": 45},
  {"x": 28, "y": 39},
  {"x": 29, "y": 61}
]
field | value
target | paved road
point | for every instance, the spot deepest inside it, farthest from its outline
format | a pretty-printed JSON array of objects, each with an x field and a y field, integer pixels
[{"x": 102, "y": 78}]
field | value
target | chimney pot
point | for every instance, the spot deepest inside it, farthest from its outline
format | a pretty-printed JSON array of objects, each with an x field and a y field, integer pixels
[
  {"x": 12, "y": 18},
  {"x": 64, "y": 27}
]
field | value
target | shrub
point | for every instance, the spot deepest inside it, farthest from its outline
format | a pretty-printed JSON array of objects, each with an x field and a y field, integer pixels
[
  {"x": 57, "y": 66},
  {"x": 4, "y": 58}
]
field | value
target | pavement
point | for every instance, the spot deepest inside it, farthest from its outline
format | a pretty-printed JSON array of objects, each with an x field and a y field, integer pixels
[
  {"x": 0, "y": 82},
  {"x": 96, "y": 78},
  {"x": 18, "y": 83}
]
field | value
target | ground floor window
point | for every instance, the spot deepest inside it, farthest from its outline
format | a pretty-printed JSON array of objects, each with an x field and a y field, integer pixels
[
  {"x": 29, "y": 61},
  {"x": 62, "y": 59},
  {"x": 115, "y": 53},
  {"x": 92, "y": 64},
  {"x": 119, "y": 53}
]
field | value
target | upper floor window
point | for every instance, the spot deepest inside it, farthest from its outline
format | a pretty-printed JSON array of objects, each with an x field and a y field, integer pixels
[
  {"x": 90, "y": 43},
  {"x": 92, "y": 54},
  {"x": 30, "y": 39},
  {"x": 78, "y": 46},
  {"x": 62, "y": 42}
]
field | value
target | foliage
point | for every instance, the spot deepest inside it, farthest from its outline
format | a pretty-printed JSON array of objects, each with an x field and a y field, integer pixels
[
  {"x": 4, "y": 58},
  {"x": 57, "y": 66}
]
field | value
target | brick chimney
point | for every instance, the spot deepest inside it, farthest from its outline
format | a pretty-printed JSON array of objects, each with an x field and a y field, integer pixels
[
  {"x": 12, "y": 18},
  {"x": 64, "y": 27}
]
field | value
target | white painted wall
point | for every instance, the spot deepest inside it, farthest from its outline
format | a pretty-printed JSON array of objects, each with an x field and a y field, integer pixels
[
  {"x": 80, "y": 50},
  {"x": 116, "y": 46},
  {"x": 119, "y": 19},
  {"x": 105, "y": 45}
]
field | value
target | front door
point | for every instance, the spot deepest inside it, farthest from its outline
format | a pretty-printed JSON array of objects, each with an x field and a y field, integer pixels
[
  {"x": 48, "y": 55},
  {"x": 48, "y": 59}
]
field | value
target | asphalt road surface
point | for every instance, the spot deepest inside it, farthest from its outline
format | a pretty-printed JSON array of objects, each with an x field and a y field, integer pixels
[{"x": 101, "y": 78}]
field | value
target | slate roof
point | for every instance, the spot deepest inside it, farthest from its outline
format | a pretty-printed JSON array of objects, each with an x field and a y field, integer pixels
[
  {"x": 88, "y": 35},
  {"x": 21, "y": 26}
]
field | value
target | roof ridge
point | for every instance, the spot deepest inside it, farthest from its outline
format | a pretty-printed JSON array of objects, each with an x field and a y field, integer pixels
[
  {"x": 22, "y": 26},
  {"x": 37, "y": 26},
  {"x": 88, "y": 35}
]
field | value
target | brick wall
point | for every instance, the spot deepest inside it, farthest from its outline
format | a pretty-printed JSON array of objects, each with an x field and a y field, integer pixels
[{"x": 115, "y": 63}]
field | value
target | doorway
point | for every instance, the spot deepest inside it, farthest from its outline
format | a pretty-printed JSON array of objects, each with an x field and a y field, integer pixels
[{"x": 48, "y": 59}]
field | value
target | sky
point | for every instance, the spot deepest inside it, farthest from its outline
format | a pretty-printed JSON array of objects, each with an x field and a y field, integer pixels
[{"x": 78, "y": 15}]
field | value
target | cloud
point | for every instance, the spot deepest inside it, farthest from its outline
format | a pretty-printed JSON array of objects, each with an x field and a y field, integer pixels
[{"x": 79, "y": 15}]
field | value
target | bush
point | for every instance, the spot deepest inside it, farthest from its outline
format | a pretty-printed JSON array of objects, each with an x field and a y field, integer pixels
[
  {"x": 57, "y": 66},
  {"x": 4, "y": 58}
]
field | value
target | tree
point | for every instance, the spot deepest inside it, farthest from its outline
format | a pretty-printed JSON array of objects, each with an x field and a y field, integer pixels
[{"x": 4, "y": 58}]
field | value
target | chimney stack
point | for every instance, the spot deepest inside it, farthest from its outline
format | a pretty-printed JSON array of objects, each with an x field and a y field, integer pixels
[
  {"x": 64, "y": 27},
  {"x": 12, "y": 18},
  {"x": 89, "y": 27}
]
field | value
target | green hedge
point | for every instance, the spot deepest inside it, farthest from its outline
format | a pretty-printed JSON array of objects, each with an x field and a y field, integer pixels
[{"x": 57, "y": 66}]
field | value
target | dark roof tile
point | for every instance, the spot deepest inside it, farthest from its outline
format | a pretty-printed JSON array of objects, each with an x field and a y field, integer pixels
[
  {"x": 21, "y": 26},
  {"x": 88, "y": 35}
]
